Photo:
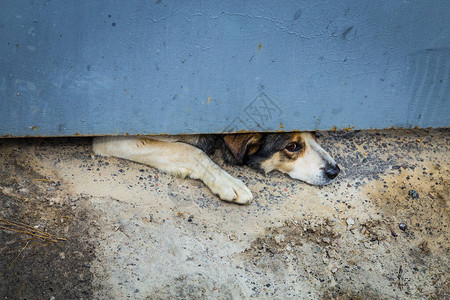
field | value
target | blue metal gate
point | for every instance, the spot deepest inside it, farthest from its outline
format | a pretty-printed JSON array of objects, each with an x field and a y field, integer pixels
[{"x": 139, "y": 67}]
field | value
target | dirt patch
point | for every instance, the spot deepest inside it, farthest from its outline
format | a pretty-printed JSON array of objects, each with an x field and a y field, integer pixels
[
  {"x": 416, "y": 200},
  {"x": 369, "y": 260},
  {"x": 196, "y": 286},
  {"x": 394, "y": 244},
  {"x": 419, "y": 198},
  {"x": 34, "y": 205},
  {"x": 293, "y": 233},
  {"x": 380, "y": 231}
]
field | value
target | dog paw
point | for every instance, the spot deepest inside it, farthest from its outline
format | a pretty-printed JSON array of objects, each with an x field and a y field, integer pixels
[{"x": 231, "y": 189}]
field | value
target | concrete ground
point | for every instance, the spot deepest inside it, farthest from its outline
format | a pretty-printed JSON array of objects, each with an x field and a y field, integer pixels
[{"x": 74, "y": 226}]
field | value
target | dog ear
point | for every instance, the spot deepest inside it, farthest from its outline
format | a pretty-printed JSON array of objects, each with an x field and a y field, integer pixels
[{"x": 241, "y": 144}]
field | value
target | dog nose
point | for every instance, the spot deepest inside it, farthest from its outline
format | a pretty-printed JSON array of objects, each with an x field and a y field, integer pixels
[{"x": 332, "y": 171}]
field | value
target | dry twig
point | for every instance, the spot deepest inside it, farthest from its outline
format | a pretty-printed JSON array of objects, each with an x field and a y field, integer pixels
[{"x": 37, "y": 237}]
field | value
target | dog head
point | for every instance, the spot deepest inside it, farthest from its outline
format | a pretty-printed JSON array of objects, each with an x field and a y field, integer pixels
[{"x": 296, "y": 154}]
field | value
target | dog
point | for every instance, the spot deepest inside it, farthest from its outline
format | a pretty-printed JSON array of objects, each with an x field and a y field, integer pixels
[{"x": 296, "y": 154}]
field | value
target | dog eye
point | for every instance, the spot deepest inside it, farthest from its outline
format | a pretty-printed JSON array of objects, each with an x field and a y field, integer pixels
[{"x": 293, "y": 147}]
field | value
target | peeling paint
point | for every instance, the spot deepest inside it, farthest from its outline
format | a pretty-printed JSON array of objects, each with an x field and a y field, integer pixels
[{"x": 349, "y": 128}]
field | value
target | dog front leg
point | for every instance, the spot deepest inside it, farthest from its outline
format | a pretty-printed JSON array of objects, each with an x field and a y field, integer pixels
[{"x": 178, "y": 159}]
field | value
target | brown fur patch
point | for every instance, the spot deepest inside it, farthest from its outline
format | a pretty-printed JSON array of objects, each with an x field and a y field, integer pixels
[
  {"x": 240, "y": 144},
  {"x": 271, "y": 163},
  {"x": 287, "y": 166},
  {"x": 284, "y": 160},
  {"x": 278, "y": 162}
]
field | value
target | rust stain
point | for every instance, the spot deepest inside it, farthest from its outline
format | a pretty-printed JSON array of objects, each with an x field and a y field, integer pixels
[
  {"x": 281, "y": 125},
  {"x": 349, "y": 128},
  {"x": 35, "y": 127},
  {"x": 259, "y": 47}
]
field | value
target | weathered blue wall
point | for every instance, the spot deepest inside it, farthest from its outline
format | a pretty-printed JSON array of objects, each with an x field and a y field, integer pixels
[{"x": 116, "y": 67}]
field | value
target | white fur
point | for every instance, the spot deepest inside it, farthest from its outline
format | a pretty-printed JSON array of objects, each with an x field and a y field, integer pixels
[
  {"x": 310, "y": 166},
  {"x": 173, "y": 156}
]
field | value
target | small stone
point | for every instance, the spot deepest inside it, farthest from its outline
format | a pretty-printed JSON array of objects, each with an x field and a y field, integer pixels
[
  {"x": 350, "y": 222},
  {"x": 370, "y": 245},
  {"x": 279, "y": 238},
  {"x": 326, "y": 240},
  {"x": 402, "y": 226},
  {"x": 332, "y": 253},
  {"x": 413, "y": 194}
]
